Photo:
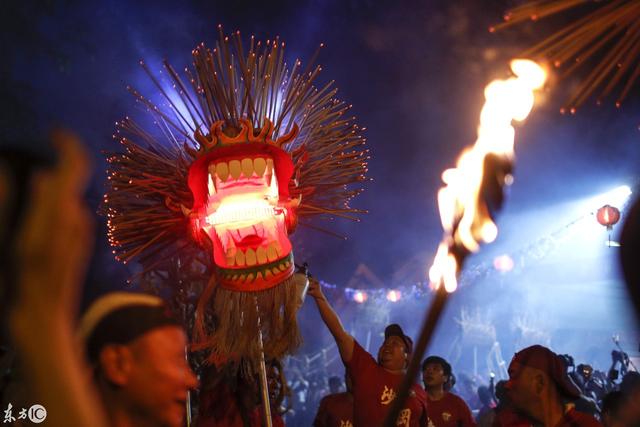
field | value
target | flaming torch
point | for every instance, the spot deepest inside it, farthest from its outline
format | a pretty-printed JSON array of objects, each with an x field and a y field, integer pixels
[
  {"x": 472, "y": 195},
  {"x": 473, "y": 189}
]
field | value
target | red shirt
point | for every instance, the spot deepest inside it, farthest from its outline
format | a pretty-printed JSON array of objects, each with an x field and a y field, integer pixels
[
  {"x": 257, "y": 416},
  {"x": 509, "y": 417},
  {"x": 336, "y": 410},
  {"x": 219, "y": 408},
  {"x": 374, "y": 388},
  {"x": 449, "y": 411},
  {"x": 573, "y": 418}
]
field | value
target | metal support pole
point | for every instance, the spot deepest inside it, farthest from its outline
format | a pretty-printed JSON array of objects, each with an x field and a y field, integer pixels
[
  {"x": 188, "y": 403},
  {"x": 186, "y": 356},
  {"x": 264, "y": 384}
]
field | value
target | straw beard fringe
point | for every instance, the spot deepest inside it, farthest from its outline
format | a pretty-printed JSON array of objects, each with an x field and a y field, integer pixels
[{"x": 234, "y": 322}]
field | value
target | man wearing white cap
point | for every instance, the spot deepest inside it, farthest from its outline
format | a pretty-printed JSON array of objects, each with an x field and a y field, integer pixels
[{"x": 137, "y": 351}]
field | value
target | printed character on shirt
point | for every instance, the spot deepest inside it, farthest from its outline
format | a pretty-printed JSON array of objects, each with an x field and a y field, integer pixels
[{"x": 374, "y": 388}]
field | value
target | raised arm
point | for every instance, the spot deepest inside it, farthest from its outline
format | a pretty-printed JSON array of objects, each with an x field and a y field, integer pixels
[
  {"x": 344, "y": 341},
  {"x": 53, "y": 249}
]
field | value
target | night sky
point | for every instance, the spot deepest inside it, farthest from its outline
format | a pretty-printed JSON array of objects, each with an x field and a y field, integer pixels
[{"x": 413, "y": 70}]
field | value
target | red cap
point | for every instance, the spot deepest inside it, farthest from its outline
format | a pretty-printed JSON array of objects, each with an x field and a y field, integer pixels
[
  {"x": 542, "y": 358},
  {"x": 394, "y": 330}
]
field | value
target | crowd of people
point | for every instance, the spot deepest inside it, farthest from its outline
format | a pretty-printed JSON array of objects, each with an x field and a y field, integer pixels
[
  {"x": 540, "y": 389},
  {"x": 134, "y": 369},
  {"x": 601, "y": 391}
]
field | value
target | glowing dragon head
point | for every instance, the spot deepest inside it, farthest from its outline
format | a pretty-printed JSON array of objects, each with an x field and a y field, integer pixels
[
  {"x": 243, "y": 148},
  {"x": 240, "y": 186}
]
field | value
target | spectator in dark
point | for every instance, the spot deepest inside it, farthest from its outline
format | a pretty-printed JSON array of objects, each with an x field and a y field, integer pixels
[
  {"x": 227, "y": 399},
  {"x": 278, "y": 391},
  {"x": 581, "y": 377},
  {"x": 299, "y": 387},
  {"x": 336, "y": 409},
  {"x": 540, "y": 387},
  {"x": 592, "y": 383},
  {"x": 375, "y": 381},
  {"x": 444, "y": 408},
  {"x": 232, "y": 400},
  {"x": 137, "y": 352},
  {"x": 485, "y": 414},
  {"x": 335, "y": 385},
  {"x": 611, "y": 405},
  {"x": 465, "y": 387},
  {"x": 630, "y": 382},
  {"x": 586, "y": 405},
  {"x": 629, "y": 413}
]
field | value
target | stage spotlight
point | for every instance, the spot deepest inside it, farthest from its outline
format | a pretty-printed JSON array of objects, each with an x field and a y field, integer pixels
[
  {"x": 360, "y": 296},
  {"x": 503, "y": 263},
  {"x": 620, "y": 195},
  {"x": 394, "y": 295},
  {"x": 617, "y": 197}
]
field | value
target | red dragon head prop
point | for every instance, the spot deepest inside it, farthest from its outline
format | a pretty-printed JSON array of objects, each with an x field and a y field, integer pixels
[
  {"x": 243, "y": 150},
  {"x": 240, "y": 188}
]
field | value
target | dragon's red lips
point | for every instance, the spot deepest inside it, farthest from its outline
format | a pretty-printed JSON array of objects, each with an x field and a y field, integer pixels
[
  {"x": 251, "y": 241},
  {"x": 244, "y": 183}
]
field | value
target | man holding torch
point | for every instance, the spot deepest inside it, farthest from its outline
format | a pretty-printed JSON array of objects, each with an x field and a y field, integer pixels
[{"x": 375, "y": 381}]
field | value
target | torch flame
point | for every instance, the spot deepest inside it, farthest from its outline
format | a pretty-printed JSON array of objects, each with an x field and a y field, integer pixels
[
  {"x": 465, "y": 217},
  {"x": 444, "y": 269}
]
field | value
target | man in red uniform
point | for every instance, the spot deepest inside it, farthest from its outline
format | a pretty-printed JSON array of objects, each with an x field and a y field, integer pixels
[
  {"x": 336, "y": 409},
  {"x": 375, "y": 382},
  {"x": 540, "y": 387},
  {"x": 445, "y": 408}
]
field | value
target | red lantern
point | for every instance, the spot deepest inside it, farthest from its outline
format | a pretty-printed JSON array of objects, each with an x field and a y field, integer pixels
[{"x": 608, "y": 216}]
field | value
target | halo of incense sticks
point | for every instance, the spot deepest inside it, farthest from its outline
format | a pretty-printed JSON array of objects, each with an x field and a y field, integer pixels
[
  {"x": 147, "y": 180},
  {"x": 608, "y": 36}
]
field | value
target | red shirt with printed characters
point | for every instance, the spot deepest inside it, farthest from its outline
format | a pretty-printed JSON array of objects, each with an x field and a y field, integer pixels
[
  {"x": 374, "y": 388},
  {"x": 336, "y": 410},
  {"x": 449, "y": 411}
]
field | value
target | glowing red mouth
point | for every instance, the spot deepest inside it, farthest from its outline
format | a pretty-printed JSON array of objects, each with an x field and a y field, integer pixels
[
  {"x": 251, "y": 241},
  {"x": 242, "y": 213}
]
